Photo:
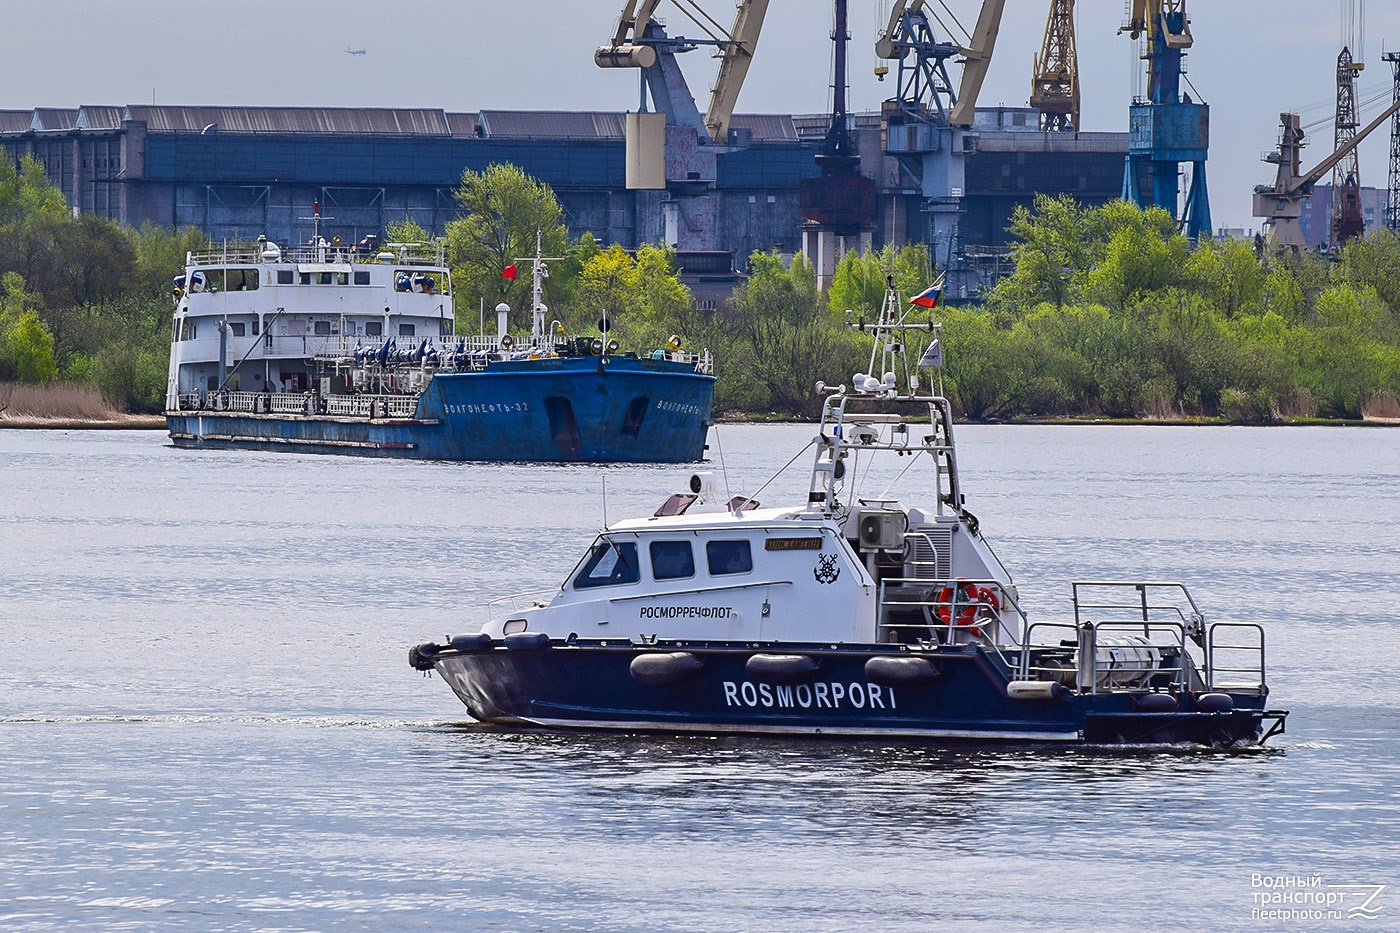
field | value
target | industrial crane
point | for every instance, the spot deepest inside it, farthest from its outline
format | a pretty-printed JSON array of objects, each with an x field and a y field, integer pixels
[
  {"x": 923, "y": 90},
  {"x": 928, "y": 124},
  {"x": 1281, "y": 204},
  {"x": 639, "y": 41},
  {"x": 1167, "y": 127},
  {"x": 840, "y": 198},
  {"x": 1347, "y": 220},
  {"x": 1055, "y": 83},
  {"x": 672, "y": 147}
]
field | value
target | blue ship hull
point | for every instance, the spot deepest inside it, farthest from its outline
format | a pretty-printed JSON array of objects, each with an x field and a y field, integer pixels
[
  {"x": 531, "y": 680},
  {"x": 598, "y": 409}
]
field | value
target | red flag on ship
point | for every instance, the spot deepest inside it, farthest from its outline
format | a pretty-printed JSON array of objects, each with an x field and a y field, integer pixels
[
  {"x": 508, "y": 272},
  {"x": 928, "y": 298}
]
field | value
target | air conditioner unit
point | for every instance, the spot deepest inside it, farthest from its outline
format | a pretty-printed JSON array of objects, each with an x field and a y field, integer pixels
[{"x": 882, "y": 531}]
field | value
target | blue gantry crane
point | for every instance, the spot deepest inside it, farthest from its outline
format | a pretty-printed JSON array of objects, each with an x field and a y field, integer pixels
[{"x": 1167, "y": 127}]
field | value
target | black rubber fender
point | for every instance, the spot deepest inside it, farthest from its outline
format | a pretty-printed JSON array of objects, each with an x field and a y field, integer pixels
[
  {"x": 784, "y": 669},
  {"x": 899, "y": 670},
  {"x": 1156, "y": 703},
  {"x": 1215, "y": 703},
  {"x": 526, "y": 641},
  {"x": 472, "y": 641},
  {"x": 662, "y": 669},
  {"x": 422, "y": 657}
]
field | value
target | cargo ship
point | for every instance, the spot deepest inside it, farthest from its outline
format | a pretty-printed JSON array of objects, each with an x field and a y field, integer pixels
[{"x": 354, "y": 349}]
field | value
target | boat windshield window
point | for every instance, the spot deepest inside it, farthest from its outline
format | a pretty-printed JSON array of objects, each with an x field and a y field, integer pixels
[
  {"x": 728, "y": 557},
  {"x": 671, "y": 560},
  {"x": 611, "y": 563}
]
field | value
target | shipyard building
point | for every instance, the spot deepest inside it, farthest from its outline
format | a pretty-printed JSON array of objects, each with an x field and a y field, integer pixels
[{"x": 240, "y": 172}]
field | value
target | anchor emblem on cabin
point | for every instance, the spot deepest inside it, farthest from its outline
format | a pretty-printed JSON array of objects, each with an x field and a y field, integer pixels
[{"x": 826, "y": 570}]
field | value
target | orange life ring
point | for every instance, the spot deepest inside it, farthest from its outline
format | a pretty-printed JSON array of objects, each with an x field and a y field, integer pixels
[{"x": 973, "y": 597}]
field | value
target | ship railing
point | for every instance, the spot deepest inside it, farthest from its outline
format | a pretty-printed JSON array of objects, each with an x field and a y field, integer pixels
[
  {"x": 1232, "y": 665},
  {"x": 411, "y": 254},
  {"x": 1139, "y": 599},
  {"x": 962, "y": 615},
  {"x": 300, "y": 403},
  {"x": 1112, "y": 656},
  {"x": 518, "y": 602},
  {"x": 477, "y": 352}
]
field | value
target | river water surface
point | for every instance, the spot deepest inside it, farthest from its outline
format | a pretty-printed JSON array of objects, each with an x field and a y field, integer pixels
[{"x": 207, "y": 719}]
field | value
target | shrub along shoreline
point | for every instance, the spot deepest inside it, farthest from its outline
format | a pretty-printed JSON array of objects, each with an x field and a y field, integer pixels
[{"x": 1109, "y": 314}]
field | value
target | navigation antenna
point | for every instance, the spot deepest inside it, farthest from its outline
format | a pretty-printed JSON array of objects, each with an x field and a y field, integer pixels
[
  {"x": 889, "y": 359},
  {"x": 318, "y": 244},
  {"x": 538, "y": 273}
]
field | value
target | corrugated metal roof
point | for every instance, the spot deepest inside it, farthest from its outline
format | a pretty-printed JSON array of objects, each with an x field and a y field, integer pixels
[
  {"x": 356, "y": 121},
  {"x": 462, "y": 124},
  {"x": 15, "y": 121},
  {"x": 552, "y": 124},
  {"x": 53, "y": 118},
  {"x": 766, "y": 126},
  {"x": 99, "y": 118},
  {"x": 353, "y": 121}
]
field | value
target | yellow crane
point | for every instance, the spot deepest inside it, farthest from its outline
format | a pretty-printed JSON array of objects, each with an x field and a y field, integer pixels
[
  {"x": 639, "y": 42},
  {"x": 1055, "y": 83}
]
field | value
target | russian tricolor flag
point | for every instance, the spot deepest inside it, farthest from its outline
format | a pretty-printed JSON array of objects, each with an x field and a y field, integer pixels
[{"x": 928, "y": 298}]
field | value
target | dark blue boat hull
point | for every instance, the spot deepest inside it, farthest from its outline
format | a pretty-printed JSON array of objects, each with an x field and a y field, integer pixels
[
  {"x": 594, "y": 685},
  {"x": 600, "y": 409}
]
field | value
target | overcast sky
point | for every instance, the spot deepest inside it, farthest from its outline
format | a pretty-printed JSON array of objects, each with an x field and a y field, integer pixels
[{"x": 1252, "y": 59}]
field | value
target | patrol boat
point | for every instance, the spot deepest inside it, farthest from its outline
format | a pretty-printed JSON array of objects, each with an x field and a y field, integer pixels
[
  {"x": 853, "y": 613},
  {"x": 353, "y": 349}
]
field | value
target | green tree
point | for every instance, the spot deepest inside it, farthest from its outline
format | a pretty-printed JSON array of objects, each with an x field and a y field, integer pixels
[
  {"x": 160, "y": 255},
  {"x": 785, "y": 339},
  {"x": 504, "y": 209},
  {"x": 1051, "y": 253},
  {"x": 407, "y": 230},
  {"x": 26, "y": 346},
  {"x": 859, "y": 282}
]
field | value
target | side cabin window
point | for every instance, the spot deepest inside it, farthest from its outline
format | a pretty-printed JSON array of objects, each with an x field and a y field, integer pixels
[
  {"x": 611, "y": 563},
  {"x": 726, "y": 557},
  {"x": 284, "y": 276},
  {"x": 422, "y": 283},
  {"x": 361, "y": 278},
  {"x": 407, "y": 330},
  {"x": 374, "y": 328},
  {"x": 188, "y": 330},
  {"x": 671, "y": 560},
  {"x": 237, "y": 328},
  {"x": 241, "y": 280},
  {"x": 322, "y": 328}
]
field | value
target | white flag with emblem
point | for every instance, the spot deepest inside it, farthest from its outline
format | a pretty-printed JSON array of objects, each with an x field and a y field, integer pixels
[{"x": 933, "y": 356}]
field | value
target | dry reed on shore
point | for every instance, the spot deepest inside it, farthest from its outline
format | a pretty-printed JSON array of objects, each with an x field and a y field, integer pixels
[
  {"x": 1381, "y": 407},
  {"x": 57, "y": 400}
]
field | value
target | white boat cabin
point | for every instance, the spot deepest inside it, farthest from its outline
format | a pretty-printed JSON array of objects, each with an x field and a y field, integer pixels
[
  {"x": 875, "y": 571},
  {"x": 254, "y": 318}
]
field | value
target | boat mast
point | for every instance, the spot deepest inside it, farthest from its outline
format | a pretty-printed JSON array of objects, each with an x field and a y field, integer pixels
[{"x": 538, "y": 308}]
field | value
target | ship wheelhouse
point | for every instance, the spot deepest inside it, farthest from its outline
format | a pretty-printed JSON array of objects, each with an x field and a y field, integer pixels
[{"x": 255, "y": 319}]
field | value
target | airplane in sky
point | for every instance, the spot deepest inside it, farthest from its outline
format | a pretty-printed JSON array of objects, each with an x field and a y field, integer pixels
[{"x": 350, "y": 51}]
